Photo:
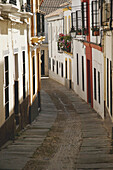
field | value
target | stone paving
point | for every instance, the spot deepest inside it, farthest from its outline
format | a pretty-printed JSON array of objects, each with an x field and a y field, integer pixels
[
  {"x": 15, "y": 155},
  {"x": 85, "y": 142}
]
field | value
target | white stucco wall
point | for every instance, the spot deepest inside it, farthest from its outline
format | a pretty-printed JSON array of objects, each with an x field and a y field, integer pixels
[
  {"x": 79, "y": 48},
  {"x": 98, "y": 64},
  {"x": 14, "y": 41}
]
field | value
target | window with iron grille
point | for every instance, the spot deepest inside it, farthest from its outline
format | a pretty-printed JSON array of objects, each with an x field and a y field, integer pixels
[
  {"x": 105, "y": 12},
  {"x": 6, "y": 78},
  {"x": 84, "y": 18},
  {"x": 95, "y": 18},
  {"x": 33, "y": 75},
  {"x": 73, "y": 20},
  {"x": 24, "y": 87},
  {"x": 13, "y": 2},
  {"x": 78, "y": 22},
  {"x": 40, "y": 24}
]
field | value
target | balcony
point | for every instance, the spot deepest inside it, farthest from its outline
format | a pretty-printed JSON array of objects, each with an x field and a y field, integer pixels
[
  {"x": 107, "y": 14},
  {"x": 95, "y": 18},
  {"x": 26, "y": 8},
  {"x": 9, "y": 6},
  {"x": 26, "y": 11},
  {"x": 64, "y": 43}
]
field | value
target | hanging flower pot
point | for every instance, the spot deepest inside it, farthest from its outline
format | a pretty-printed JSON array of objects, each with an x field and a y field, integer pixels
[
  {"x": 96, "y": 33},
  {"x": 79, "y": 32}
]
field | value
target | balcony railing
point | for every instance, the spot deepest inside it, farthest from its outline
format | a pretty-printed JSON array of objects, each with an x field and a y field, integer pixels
[
  {"x": 26, "y": 8},
  {"x": 106, "y": 13},
  {"x": 95, "y": 18},
  {"x": 14, "y": 2}
]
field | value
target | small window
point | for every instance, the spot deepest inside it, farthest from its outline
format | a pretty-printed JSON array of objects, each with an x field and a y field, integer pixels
[
  {"x": 95, "y": 18},
  {"x": 105, "y": 13},
  {"x": 107, "y": 82},
  {"x": 85, "y": 18},
  {"x": 53, "y": 65},
  {"x": 73, "y": 20},
  {"x": 83, "y": 73},
  {"x": 77, "y": 71},
  {"x": 95, "y": 96},
  {"x": 33, "y": 75},
  {"x": 57, "y": 67},
  {"x": 49, "y": 64},
  {"x": 62, "y": 70},
  {"x": 78, "y": 23},
  {"x": 66, "y": 68},
  {"x": 111, "y": 87},
  {"x": 99, "y": 87},
  {"x": 24, "y": 88},
  {"x": 6, "y": 87}
]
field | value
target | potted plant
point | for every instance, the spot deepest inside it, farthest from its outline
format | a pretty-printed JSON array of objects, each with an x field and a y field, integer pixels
[
  {"x": 79, "y": 32},
  {"x": 85, "y": 31},
  {"x": 95, "y": 31},
  {"x": 64, "y": 42}
]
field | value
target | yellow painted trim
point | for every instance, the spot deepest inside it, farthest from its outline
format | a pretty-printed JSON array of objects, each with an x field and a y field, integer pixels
[
  {"x": 65, "y": 25},
  {"x": 70, "y": 60},
  {"x": 37, "y": 39},
  {"x": 34, "y": 97},
  {"x": 65, "y": 59},
  {"x": 69, "y": 23},
  {"x": 66, "y": 9},
  {"x": 68, "y": 53}
]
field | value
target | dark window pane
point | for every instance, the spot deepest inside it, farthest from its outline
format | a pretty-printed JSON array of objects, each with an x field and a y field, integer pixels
[
  {"x": 33, "y": 65},
  {"x": 6, "y": 63},
  {"x": 24, "y": 68},
  {"x": 33, "y": 84},
  {"x": 107, "y": 82},
  {"x": 24, "y": 94},
  {"x": 98, "y": 86},
  {"x": 6, "y": 79},
  {"x": 6, "y": 94},
  {"x": 82, "y": 73},
  {"x": 23, "y": 56},
  {"x": 95, "y": 97},
  {"x": 77, "y": 71},
  {"x": 23, "y": 80},
  {"x": 7, "y": 110}
]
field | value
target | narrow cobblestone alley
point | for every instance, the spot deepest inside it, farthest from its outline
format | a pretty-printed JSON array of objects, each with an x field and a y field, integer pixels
[{"x": 67, "y": 135}]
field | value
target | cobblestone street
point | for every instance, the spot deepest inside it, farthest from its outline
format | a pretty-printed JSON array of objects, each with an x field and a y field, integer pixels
[{"x": 67, "y": 135}]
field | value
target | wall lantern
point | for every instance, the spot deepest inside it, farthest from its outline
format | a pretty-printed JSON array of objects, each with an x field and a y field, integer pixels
[{"x": 73, "y": 32}]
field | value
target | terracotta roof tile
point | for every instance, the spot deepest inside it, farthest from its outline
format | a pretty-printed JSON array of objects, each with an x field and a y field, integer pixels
[{"x": 49, "y": 6}]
